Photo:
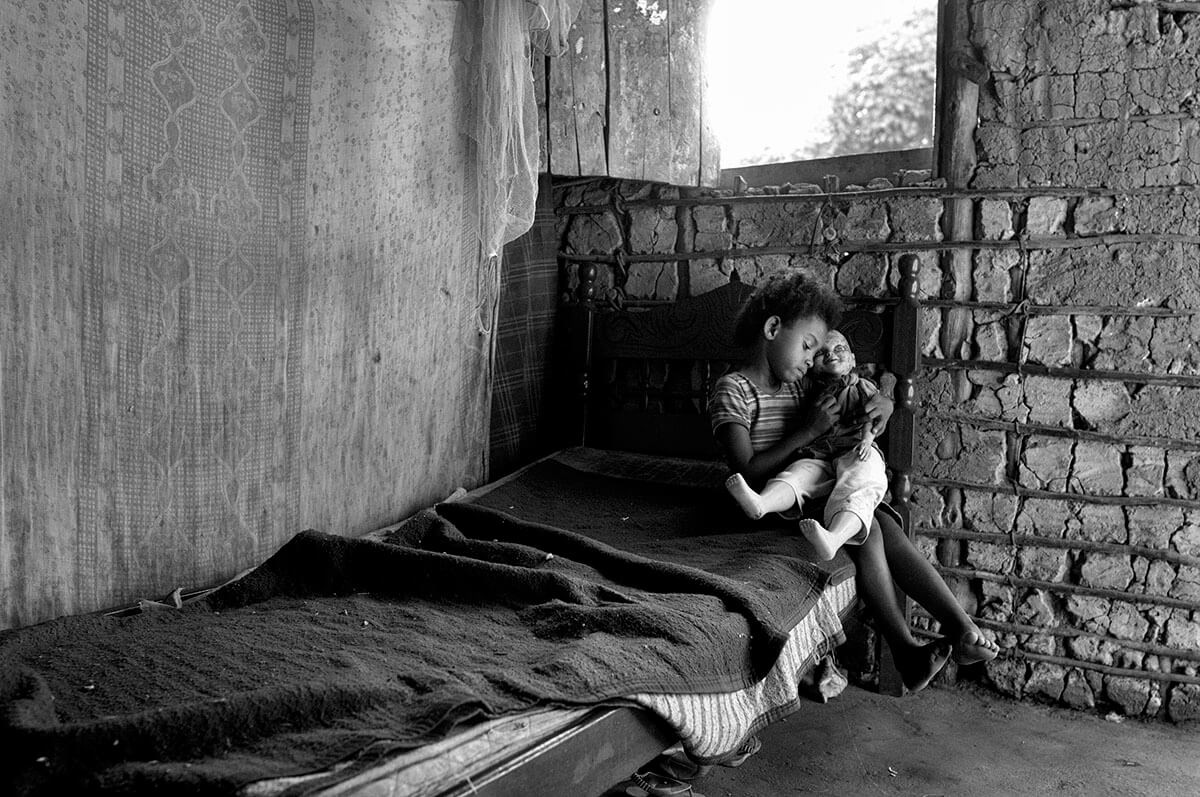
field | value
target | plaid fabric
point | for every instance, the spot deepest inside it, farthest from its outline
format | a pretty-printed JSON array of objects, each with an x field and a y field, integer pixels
[{"x": 524, "y": 334}]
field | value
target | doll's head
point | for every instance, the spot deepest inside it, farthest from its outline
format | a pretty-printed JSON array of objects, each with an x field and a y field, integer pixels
[{"x": 836, "y": 357}]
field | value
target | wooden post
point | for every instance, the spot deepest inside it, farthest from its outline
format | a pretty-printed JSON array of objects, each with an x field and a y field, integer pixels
[
  {"x": 579, "y": 354},
  {"x": 906, "y": 362},
  {"x": 902, "y": 431},
  {"x": 956, "y": 117}
]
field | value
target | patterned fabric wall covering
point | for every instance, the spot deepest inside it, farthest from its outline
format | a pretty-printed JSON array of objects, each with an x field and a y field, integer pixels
[
  {"x": 524, "y": 334},
  {"x": 197, "y": 123},
  {"x": 239, "y": 287}
]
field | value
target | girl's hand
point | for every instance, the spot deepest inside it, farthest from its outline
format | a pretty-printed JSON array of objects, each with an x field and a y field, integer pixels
[
  {"x": 861, "y": 450},
  {"x": 877, "y": 411},
  {"x": 822, "y": 414}
]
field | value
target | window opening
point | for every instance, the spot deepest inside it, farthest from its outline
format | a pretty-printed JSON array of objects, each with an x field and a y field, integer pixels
[{"x": 797, "y": 81}]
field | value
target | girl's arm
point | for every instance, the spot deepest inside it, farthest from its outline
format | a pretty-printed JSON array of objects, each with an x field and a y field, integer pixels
[{"x": 734, "y": 441}]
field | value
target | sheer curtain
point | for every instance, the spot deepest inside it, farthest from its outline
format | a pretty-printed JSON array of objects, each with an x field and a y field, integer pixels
[{"x": 497, "y": 40}]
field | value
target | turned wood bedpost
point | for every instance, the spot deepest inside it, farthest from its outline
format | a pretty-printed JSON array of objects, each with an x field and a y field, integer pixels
[
  {"x": 906, "y": 361},
  {"x": 580, "y": 356},
  {"x": 902, "y": 434}
]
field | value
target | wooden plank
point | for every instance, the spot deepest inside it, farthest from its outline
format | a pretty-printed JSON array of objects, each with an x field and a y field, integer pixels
[
  {"x": 849, "y": 169},
  {"x": 585, "y": 760},
  {"x": 540, "y": 66},
  {"x": 639, "y": 99},
  {"x": 686, "y": 39},
  {"x": 577, "y": 97}
]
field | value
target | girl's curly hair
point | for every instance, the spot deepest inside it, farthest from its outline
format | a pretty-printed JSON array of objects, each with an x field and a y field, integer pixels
[{"x": 790, "y": 297}]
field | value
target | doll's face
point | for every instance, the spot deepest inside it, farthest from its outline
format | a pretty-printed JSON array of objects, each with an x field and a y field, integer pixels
[{"x": 835, "y": 357}]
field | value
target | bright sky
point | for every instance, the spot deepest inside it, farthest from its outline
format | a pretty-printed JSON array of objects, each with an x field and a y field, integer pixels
[{"x": 800, "y": 45}]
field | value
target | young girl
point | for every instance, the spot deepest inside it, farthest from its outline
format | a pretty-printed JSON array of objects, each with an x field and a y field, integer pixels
[
  {"x": 843, "y": 462},
  {"x": 760, "y": 419}
]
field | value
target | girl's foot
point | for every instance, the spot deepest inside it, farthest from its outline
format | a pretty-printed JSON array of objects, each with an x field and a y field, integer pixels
[
  {"x": 973, "y": 647},
  {"x": 919, "y": 663},
  {"x": 746, "y": 498}
]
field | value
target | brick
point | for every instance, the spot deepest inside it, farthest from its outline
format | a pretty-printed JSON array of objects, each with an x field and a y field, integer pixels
[
  {"x": 1183, "y": 633},
  {"x": 1043, "y": 564},
  {"x": 652, "y": 230},
  {"x": 593, "y": 233},
  {"x": 1101, "y": 404},
  {"x": 1046, "y": 680},
  {"x": 864, "y": 221},
  {"x": 1078, "y": 693},
  {"x": 1096, "y": 469},
  {"x": 1152, "y": 526},
  {"x": 1045, "y": 463},
  {"x": 993, "y": 274},
  {"x": 1043, "y": 517},
  {"x": 1107, "y": 571},
  {"x": 1048, "y": 400},
  {"x": 916, "y": 219},
  {"x": 990, "y": 558},
  {"x": 1184, "y": 702},
  {"x": 652, "y": 281},
  {"x": 864, "y": 274},
  {"x": 1146, "y": 471},
  {"x": 1101, "y": 523},
  {"x": 1048, "y": 340},
  {"x": 1096, "y": 216},
  {"x": 995, "y": 220},
  {"x": 1008, "y": 676},
  {"x": 1124, "y": 622},
  {"x": 709, "y": 218},
  {"x": 1131, "y": 694}
]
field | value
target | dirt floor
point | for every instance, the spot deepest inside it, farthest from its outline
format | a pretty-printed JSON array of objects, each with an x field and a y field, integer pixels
[{"x": 959, "y": 741}]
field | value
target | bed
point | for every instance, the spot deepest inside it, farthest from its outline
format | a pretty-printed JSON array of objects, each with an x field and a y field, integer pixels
[{"x": 548, "y": 633}]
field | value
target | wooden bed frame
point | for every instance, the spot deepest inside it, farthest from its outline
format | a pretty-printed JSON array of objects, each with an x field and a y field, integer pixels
[
  {"x": 639, "y": 383},
  {"x": 679, "y": 349}
]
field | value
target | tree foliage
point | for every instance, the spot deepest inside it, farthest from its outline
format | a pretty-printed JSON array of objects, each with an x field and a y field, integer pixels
[{"x": 888, "y": 101}]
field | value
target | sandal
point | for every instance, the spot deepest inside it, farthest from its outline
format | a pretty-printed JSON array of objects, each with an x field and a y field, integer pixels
[
  {"x": 749, "y": 747},
  {"x": 657, "y": 785}
]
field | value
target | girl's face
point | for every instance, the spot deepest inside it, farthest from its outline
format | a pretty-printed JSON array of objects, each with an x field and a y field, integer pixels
[
  {"x": 791, "y": 347},
  {"x": 835, "y": 357}
]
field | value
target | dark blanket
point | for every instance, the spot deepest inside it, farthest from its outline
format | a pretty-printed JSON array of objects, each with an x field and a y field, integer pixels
[{"x": 343, "y": 649}]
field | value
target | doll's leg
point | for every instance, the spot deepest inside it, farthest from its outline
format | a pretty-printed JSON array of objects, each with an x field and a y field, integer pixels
[
  {"x": 803, "y": 479},
  {"x": 775, "y": 497},
  {"x": 850, "y": 510}
]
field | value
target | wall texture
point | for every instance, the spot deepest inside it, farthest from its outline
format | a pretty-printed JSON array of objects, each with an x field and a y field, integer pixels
[
  {"x": 239, "y": 284},
  {"x": 1058, "y": 476}
]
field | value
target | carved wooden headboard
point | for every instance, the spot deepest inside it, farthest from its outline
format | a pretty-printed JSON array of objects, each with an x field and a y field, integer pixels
[{"x": 643, "y": 377}]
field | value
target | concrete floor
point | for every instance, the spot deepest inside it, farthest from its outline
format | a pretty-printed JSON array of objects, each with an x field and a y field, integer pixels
[{"x": 954, "y": 742}]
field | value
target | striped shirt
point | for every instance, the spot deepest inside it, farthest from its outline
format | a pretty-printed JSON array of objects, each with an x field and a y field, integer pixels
[{"x": 768, "y": 417}]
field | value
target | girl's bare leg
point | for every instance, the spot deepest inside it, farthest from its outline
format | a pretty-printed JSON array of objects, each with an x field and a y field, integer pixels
[
  {"x": 918, "y": 578},
  {"x": 916, "y": 662}
]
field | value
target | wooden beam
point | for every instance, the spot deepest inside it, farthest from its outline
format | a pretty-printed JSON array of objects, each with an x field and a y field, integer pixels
[
  {"x": 639, "y": 91},
  {"x": 577, "y": 98}
]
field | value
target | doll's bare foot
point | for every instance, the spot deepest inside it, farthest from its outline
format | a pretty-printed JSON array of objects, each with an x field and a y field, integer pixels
[
  {"x": 819, "y": 538},
  {"x": 918, "y": 664},
  {"x": 972, "y": 647},
  {"x": 746, "y": 498}
]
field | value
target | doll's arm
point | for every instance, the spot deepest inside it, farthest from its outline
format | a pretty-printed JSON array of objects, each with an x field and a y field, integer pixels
[{"x": 871, "y": 427}]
